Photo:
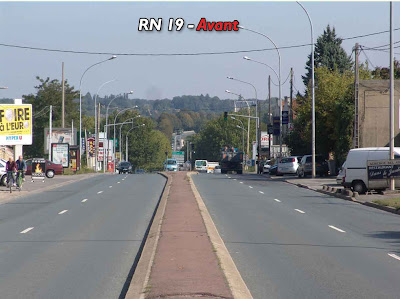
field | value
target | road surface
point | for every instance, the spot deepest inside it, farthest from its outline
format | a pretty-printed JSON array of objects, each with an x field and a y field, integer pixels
[
  {"x": 290, "y": 242},
  {"x": 77, "y": 241}
]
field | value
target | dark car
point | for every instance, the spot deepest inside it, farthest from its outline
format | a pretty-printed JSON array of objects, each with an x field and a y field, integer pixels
[
  {"x": 51, "y": 168},
  {"x": 140, "y": 171},
  {"x": 124, "y": 167},
  {"x": 305, "y": 167},
  {"x": 273, "y": 170}
]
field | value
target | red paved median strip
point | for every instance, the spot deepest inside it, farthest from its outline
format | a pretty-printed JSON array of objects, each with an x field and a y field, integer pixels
[{"x": 185, "y": 264}]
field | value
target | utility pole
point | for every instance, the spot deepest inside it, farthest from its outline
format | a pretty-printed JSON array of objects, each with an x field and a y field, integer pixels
[
  {"x": 392, "y": 181},
  {"x": 269, "y": 113},
  {"x": 63, "y": 98},
  {"x": 356, "y": 95},
  {"x": 291, "y": 97},
  {"x": 50, "y": 129}
]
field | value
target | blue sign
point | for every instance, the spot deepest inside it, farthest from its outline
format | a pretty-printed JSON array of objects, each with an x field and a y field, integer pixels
[{"x": 285, "y": 117}]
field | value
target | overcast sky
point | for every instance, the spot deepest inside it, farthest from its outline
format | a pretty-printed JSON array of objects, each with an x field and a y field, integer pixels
[{"x": 112, "y": 27}]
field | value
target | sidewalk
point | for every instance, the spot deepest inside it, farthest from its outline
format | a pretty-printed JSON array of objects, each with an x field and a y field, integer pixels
[
  {"x": 30, "y": 187},
  {"x": 185, "y": 264}
]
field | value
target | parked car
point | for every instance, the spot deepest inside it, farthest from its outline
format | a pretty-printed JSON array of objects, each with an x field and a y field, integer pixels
[
  {"x": 124, "y": 167},
  {"x": 266, "y": 166},
  {"x": 355, "y": 171},
  {"x": 340, "y": 176},
  {"x": 140, "y": 171},
  {"x": 3, "y": 173},
  {"x": 288, "y": 165},
  {"x": 305, "y": 167},
  {"x": 217, "y": 169},
  {"x": 51, "y": 168}
]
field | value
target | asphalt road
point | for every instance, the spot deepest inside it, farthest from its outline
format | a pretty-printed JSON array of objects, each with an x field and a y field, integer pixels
[
  {"x": 77, "y": 241},
  {"x": 290, "y": 242}
]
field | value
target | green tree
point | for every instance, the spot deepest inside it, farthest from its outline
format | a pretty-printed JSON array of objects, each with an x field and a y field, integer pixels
[
  {"x": 48, "y": 92},
  {"x": 384, "y": 72},
  {"x": 328, "y": 53}
]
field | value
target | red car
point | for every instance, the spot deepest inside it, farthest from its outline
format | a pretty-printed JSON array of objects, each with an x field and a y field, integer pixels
[{"x": 51, "y": 168}]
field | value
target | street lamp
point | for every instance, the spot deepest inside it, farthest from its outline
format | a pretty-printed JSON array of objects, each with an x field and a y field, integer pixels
[
  {"x": 280, "y": 85},
  {"x": 96, "y": 141},
  {"x": 258, "y": 123},
  {"x": 234, "y": 118},
  {"x": 248, "y": 122},
  {"x": 108, "y": 106},
  {"x": 3, "y": 87},
  {"x": 80, "y": 106},
  {"x": 312, "y": 92},
  {"x": 126, "y": 140}
]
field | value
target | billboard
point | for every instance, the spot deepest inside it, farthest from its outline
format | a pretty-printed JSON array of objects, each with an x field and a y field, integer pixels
[
  {"x": 58, "y": 135},
  {"x": 265, "y": 139},
  {"x": 179, "y": 157},
  {"x": 383, "y": 169},
  {"x": 15, "y": 124},
  {"x": 38, "y": 168},
  {"x": 60, "y": 154}
]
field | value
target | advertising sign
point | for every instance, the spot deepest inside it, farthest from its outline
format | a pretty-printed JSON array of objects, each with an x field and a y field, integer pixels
[
  {"x": 60, "y": 154},
  {"x": 265, "y": 139},
  {"x": 74, "y": 157},
  {"x": 58, "y": 135},
  {"x": 38, "y": 168},
  {"x": 91, "y": 146},
  {"x": 15, "y": 124},
  {"x": 383, "y": 169},
  {"x": 179, "y": 157}
]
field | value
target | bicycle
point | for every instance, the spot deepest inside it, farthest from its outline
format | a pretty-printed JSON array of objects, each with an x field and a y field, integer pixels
[
  {"x": 10, "y": 179},
  {"x": 20, "y": 179}
]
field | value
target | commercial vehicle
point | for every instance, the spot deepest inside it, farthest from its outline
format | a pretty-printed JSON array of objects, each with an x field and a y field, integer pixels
[
  {"x": 51, "y": 168},
  {"x": 171, "y": 165},
  {"x": 231, "y": 160},
  {"x": 124, "y": 167},
  {"x": 288, "y": 165},
  {"x": 305, "y": 166},
  {"x": 355, "y": 171},
  {"x": 200, "y": 165},
  {"x": 211, "y": 166}
]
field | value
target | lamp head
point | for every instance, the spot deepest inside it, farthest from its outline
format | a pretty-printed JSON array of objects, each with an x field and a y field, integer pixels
[
  {"x": 131, "y": 92},
  {"x": 112, "y": 57},
  {"x": 227, "y": 91},
  {"x": 232, "y": 117},
  {"x": 247, "y": 58},
  {"x": 230, "y": 78},
  {"x": 241, "y": 27}
]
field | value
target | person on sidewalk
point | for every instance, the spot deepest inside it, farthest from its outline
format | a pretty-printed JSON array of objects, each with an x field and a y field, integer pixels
[
  {"x": 21, "y": 166},
  {"x": 11, "y": 168}
]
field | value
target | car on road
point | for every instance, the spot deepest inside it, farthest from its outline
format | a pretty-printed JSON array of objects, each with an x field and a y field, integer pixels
[
  {"x": 171, "y": 165},
  {"x": 140, "y": 171},
  {"x": 124, "y": 167},
  {"x": 305, "y": 167},
  {"x": 288, "y": 165},
  {"x": 51, "y": 168},
  {"x": 266, "y": 166},
  {"x": 3, "y": 173},
  {"x": 217, "y": 169}
]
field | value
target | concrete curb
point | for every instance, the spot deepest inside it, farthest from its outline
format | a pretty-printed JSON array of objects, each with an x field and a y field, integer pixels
[
  {"x": 347, "y": 195},
  {"x": 140, "y": 279},
  {"x": 235, "y": 281},
  {"x": 45, "y": 188}
]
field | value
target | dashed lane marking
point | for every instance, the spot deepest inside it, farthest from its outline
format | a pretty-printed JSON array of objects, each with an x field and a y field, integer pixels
[
  {"x": 26, "y": 230},
  {"x": 261, "y": 192},
  {"x": 241, "y": 182},
  {"x": 277, "y": 200},
  {"x": 300, "y": 211},
  {"x": 84, "y": 200},
  {"x": 394, "y": 256},
  {"x": 99, "y": 192},
  {"x": 250, "y": 187},
  {"x": 109, "y": 186},
  {"x": 335, "y": 228},
  {"x": 62, "y": 212},
  {"x": 229, "y": 177},
  {"x": 118, "y": 182},
  {"x": 235, "y": 179}
]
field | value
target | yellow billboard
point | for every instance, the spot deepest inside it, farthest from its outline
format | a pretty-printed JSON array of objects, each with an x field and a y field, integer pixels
[{"x": 15, "y": 124}]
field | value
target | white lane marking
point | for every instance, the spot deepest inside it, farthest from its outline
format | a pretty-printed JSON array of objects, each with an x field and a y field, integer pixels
[
  {"x": 85, "y": 200},
  {"x": 235, "y": 179},
  {"x": 62, "y": 212},
  {"x": 109, "y": 186},
  {"x": 250, "y": 187},
  {"x": 118, "y": 182},
  {"x": 261, "y": 192},
  {"x": 277, "y": 200},
  {"x": 241, "y": 182},
  {"x": 123, "y": 179},
  {"x": 300, "y": 211},
  {"x": 229, "y": 177},
  {"x": 394, "y": 256},
  {"x": 335, "y": 228},
  {"x": 26, "y": 230},
  {"x": 99, "y": 192}
]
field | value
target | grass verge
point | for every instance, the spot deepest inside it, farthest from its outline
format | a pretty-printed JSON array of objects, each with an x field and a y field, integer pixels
[
  {"x": 389, "y": 202},
  {"x": 68, "y": 171}
]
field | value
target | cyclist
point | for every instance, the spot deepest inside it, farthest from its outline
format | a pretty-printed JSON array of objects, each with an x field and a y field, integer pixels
[
  {"x": 21, "y": 167},
  {"x": 11, "y": 168}
]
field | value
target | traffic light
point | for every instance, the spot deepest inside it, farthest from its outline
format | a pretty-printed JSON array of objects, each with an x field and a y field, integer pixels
[{"x": 225, "y": 115}]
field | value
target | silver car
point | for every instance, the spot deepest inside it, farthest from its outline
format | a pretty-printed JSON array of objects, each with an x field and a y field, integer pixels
[{"x": 288, "y": 165}]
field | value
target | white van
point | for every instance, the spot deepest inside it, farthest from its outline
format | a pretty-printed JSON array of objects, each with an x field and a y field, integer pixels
[
  {"x": 211, "y": 166},
  {"x": 354, "y": 171},
  {"x": 200, "y": 165}
]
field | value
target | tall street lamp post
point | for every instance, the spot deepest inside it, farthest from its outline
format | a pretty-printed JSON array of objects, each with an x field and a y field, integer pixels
[
  {"x": 126, "y": 140},
  {"x": 80, "y": 106}
]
